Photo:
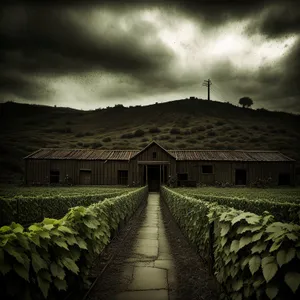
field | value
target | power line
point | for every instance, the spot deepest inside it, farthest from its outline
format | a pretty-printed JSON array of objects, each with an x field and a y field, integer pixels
[{"x": 207, "y": 83}]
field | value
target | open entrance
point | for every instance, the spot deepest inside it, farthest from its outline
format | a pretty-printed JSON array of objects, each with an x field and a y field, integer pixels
[
  {"x": 284, "y": 179},
  {"x": 123, "y": 177},
  {"x": 153, "y": 178},
  {"x": 54, "y": 176},
  {"x": 240, "y": 177},
  {"x": 85, "y": 177}
]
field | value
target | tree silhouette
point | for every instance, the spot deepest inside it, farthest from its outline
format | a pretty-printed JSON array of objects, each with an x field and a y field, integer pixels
[{"x": 246, "y": 102}]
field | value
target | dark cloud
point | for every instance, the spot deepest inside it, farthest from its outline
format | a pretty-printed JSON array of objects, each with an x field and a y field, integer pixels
[
  {"x": 51, "y": 40},
  {"x": 60, "y": 40},
  {"x": 280, "y": 18}
]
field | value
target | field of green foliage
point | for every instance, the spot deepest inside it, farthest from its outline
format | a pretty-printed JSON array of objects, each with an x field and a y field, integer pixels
[
  {"x": 251, "y": 237},
  {"x": 49, "y": 258},
  {"x": 26, "y": 205}
]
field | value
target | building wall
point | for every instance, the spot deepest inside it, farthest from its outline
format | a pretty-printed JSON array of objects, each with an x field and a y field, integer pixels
[{"x": 106, "y": 173}]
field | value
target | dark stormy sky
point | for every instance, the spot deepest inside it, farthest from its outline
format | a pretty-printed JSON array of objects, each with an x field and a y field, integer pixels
[{"x": 94, "y": 55}]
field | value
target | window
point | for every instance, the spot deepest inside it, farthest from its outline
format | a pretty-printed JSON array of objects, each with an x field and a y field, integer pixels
[
  {"x": 208, "y": 169},
  {"x": 54, "y": 176},
  {"x": 154, "y": 155},
  {"x": 284, "y": 179},
  {"x": 123, "y": 177}
]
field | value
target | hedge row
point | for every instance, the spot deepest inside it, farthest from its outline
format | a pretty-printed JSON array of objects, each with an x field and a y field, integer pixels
[
  {"x": 27, "y": 210},
  {"x": 253, "y": 256},
  {"x": 42, "y": 261},
  {"x": 285, "y": 212}
]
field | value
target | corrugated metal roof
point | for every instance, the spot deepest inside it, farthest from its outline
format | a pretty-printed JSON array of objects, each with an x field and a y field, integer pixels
[
  {"x": 229, "y": 155},
  {"x": 84, "y": 154},
  {"x": 196, "y": 155}
]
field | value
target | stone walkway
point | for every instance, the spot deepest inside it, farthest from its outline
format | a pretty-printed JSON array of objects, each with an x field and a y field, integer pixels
[{"x": 150, "y": 272}]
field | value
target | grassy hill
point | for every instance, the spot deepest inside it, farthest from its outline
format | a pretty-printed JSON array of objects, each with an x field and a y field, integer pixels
[{"x": 186, "y": 124}]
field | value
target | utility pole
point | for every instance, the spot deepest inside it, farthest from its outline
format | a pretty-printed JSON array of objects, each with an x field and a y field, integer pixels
[{"x": 207, "y": 83}]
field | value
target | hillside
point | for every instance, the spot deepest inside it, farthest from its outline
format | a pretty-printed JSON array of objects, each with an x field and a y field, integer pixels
[{"x": 186, "y": 124}]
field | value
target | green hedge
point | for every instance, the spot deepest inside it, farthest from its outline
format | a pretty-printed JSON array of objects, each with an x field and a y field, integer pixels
[
  {"x": 48, "y": 257},
  {"x": 27, "y": 210},
  {"x": 285, "y": 212},
  {"x": 254, "y": 257}
]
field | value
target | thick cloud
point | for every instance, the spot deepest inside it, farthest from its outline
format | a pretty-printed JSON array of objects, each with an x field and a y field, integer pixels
[{"x": 89, "y": 55}]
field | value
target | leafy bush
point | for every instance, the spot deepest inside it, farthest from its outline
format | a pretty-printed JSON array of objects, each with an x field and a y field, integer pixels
[
  {"x": 209, "y": 126},
  {"x": 127, "y": 136},
  {"x": 220, "y": 123},
  {"x": 175, "y": 130},
  {"x": 26, "y": 210},
  {"x": 96, "y": 145},
  {"x": 55, "y": 255},
  {"x": 139, "y": 133},
  {"x": 106, "y": 139},
  {"x": 154, "y": 130},
  {"x": 252, "y": 256},
  {"x": 211, "y": 133}
]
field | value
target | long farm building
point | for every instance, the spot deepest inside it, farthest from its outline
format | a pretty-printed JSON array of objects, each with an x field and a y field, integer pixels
[{"x": 155, "y": 165}]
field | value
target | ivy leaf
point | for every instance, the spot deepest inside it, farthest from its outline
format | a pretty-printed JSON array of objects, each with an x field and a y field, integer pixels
[
  {"x": 258, "y": 248},
  {"x": 245, "y": 240},
  {"x": 35, "y": 228},
  {"x": 225, "y": 227},
  {"x": 60, "y": 284},
  {"x": 292, "y": 279},
  {"x": 93, "y": 224},
  {"x": 283, "y": 257},
  {"x": 234, "y": 246},
  {"x": 60, "y": 243},
  {"x": 269, "y": 267},
  {"x": 257, "y": 236},
  {"x": 21, "y": 271},
  {"x": 275, "y": 246},
  {"x": 71, "y": 240},
  {"x": 57, "y": 271},
  {"x": 237, "y": 284},
  {"x": 48, "y": 226},
  {"x": 254, "y": 264},
  {"x": 44, "y": 285},
  {"x": 65, "y": 229},
  {"x": 37, "y": 262},
  {"x": 70, "y": 265},
  {"x": 44, "y": 234},
  {"x": 81, "y": 243},
  {"x": 272, "y": 291}
]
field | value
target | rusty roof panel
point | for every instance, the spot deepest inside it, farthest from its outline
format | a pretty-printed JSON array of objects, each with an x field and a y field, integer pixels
[
  {"x": 229, "y": 155},
  {"x": 84, "y": 154}
]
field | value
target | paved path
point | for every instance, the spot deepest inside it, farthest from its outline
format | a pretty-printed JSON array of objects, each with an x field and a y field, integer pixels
[{"x": 150, "y": 272}]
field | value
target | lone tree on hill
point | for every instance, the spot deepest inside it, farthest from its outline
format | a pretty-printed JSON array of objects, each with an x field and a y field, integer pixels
[{"x": 246, "y": 102}]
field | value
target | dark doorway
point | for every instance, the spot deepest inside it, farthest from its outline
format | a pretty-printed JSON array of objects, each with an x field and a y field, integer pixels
[
  {"x": 284, "y": 179},
  {"x": 181, "y": 177},
  {"x": 54, "y": 176},
  {"x": 153, "y": 178},
  {"x": 240, "y": 177},
  {"x": 85, "y": 177},
  {"x": 123, "y": 177}
]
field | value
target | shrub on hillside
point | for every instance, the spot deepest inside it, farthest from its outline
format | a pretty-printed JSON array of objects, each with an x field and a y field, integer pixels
[
  {"x": 154, "y": 130},
  {"x": 96, "y": 145},
  {"x": 209, "y": 126},
  {"x": 181, "y": 146},
  {"x": 192, "y": 141},
  {"x": 220, "y": 123},
  {"x": 200, "y": 137},
  {"x": 164, "y": 137},
  {"x": 178, "y": 137},
  {"x": 79, "y": 134},
  {"x": 175, "y": 130},
  {"x": 139, "y": 133},
  {"x": 106, "y": 140},
  {"x": 187, "y": 132},
  {"x": 128, "y": 135},
  {"x": 211, "y": 133}
]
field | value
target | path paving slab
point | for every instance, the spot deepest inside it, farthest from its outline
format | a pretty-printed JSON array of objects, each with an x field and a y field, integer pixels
[
  {"x": 145, "y": 278},
  {"x": 143, "y": 295}
]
